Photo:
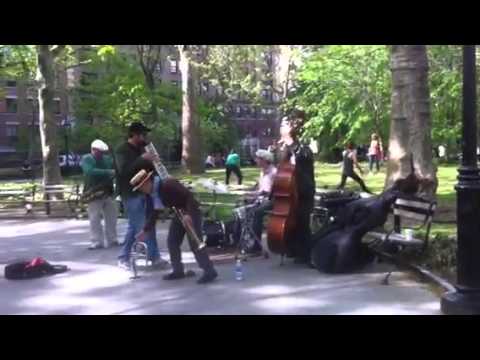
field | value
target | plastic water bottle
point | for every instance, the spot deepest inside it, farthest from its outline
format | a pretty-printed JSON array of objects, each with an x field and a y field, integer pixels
[{"x": 239, "y": 270}]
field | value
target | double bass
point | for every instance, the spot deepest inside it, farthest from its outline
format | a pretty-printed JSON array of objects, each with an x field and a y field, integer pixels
[{"x": 282, "y": 222}]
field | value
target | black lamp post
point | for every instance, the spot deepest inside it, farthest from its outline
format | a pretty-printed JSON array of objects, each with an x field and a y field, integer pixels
[{"x": 466, "y": 300}]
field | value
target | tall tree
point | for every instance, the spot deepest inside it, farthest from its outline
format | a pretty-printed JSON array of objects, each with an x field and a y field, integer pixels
[
  {"x": 192, "y": 154},
  {"x": 411, "y": 126},
  {"x": 46, "y": 56},
  {"x": 346, "y": 91},
  {"x": 150, "y": 58}
]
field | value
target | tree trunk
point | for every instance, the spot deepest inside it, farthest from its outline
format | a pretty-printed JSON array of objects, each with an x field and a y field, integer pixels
[
  {"x": 282, "y": 69},
  {"x": 48, "y": 124},
  {"x": 192, "y": 154},
  {"x": 410, "y": 131}
]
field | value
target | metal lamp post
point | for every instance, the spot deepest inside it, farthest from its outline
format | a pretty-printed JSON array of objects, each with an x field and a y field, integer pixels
[{"x": 466, "y": 300}]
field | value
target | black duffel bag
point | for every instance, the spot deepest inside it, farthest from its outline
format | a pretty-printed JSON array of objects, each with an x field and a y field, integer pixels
[{"x": 31, "y": 269}]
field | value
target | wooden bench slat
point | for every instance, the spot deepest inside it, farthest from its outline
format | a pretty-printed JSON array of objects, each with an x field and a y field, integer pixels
[
  {"x": 419, "y": 210},
  {"x": 413, "y": 203},
  {"x": 410, "y": 215}
]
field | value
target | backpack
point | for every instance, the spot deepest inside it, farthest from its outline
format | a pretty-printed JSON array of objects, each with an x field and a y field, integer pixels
[{"x": 32, "y": 269}]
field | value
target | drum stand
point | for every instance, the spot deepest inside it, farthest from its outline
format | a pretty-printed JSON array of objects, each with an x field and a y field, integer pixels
[{"x": 247, "y": 234}]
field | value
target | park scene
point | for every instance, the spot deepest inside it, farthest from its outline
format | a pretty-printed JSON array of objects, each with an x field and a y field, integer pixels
[{"x": 239, "y": 180}]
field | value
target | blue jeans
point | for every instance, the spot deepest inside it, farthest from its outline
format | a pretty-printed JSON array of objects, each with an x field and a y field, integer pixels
[{"x": 137, "y": 210}]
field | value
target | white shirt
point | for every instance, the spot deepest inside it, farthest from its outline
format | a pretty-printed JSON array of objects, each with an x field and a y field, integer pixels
[
  {"x": 210, "y": 160},
  {"x": 265, "y": 182}
]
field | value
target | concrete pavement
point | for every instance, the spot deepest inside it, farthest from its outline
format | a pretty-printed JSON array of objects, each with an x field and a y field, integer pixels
[{"x": 96, "y": 286}]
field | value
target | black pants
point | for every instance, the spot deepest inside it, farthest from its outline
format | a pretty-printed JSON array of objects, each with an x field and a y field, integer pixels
[
  {"x": 356, "y": 178},
  {"x": 176, "y": 233},
  {"x": 258, "y": 217},
  {"x": 300, "y": 243},
  {"x": 237, "y": 172}
]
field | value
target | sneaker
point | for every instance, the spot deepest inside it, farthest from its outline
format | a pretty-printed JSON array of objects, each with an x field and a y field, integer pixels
[
  {"x": 125, "y": 265},
  {"x": 178, "y": 275},
  {"x": 207, "y": 277},
  {"x": 160, "y": 264}
]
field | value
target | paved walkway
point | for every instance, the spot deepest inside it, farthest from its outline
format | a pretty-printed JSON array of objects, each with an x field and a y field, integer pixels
[{"x": 96, "y": 286}]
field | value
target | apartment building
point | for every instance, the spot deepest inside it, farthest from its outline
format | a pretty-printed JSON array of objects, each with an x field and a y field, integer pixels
[{"x": 19, "y": 108}]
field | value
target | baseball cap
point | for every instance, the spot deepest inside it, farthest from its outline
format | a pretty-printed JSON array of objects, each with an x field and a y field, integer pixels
[{"x": 138, "y": 128}]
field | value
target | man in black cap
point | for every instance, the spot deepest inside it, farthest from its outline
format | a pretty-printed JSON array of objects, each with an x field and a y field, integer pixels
[{"x": 131, "y": 157}]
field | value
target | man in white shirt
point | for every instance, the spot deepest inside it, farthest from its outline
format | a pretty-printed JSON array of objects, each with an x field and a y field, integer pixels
[{"x": 264, "y": 159}]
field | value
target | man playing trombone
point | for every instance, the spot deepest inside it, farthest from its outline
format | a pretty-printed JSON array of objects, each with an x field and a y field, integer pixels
[{"x": 171, "y": 193}]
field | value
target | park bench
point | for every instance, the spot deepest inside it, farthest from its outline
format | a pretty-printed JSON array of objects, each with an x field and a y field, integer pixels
[
  {"x": 413, "y": 213},
  {"x": 68, "y": 195},
  {"x": 14, "y": 198},
  {"x": 408, "y": 213}
]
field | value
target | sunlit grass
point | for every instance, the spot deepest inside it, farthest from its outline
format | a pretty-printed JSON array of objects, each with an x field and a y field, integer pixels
[{"x": 326, "y": 176}]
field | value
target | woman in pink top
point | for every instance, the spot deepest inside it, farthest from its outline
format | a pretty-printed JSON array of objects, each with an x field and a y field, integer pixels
[{"x": 374, "y": 153}]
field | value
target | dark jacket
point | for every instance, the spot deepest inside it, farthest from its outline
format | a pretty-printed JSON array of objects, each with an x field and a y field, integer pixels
[
  {"x": 173, "y": 194},
  {"x": 129, "y": 162},
  {"x": 304, "y": 171}
]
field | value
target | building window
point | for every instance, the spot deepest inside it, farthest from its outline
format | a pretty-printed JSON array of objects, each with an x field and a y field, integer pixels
[
  {"x": 173, "y": 66},
  {"x": 238, "y": 110},
  {"x": 11, "y": 105},
  {"x": 174, "y": 82},
  {"x": 11, "y": 83},
  {"x": 12, "y": 131},
  {"x": 56, "y": 106}
]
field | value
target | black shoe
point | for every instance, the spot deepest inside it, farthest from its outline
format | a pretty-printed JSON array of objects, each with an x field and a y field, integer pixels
[
  {"x": 207, "y": 277},
  {"x": 178, "y": 275}
]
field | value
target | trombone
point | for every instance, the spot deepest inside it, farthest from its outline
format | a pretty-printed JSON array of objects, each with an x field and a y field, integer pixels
[{"x": 188, "y": 229}]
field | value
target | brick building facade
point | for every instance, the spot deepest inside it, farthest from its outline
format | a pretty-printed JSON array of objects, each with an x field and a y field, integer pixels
[{"x": 16, "y": 99}]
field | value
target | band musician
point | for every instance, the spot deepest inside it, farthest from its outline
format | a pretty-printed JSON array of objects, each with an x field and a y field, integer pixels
[
  {"x": 171, "y": 193},
  {"x": 300, "y": 155},
  {"x": 258, "y": 199}
]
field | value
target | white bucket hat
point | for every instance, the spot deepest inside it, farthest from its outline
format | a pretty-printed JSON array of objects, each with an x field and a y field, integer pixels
[{"x": 99, "y": 145}]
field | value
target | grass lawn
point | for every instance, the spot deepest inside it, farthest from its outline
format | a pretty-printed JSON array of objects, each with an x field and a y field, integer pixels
[{"x": 327, "y": 176}]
